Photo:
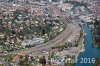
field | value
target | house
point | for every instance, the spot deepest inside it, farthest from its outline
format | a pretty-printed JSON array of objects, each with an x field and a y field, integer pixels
[
  {"x": 1, "y": 35},
  {"x": 34, "y": 41}
]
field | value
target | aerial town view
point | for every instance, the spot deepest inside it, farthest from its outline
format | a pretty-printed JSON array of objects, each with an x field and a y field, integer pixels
[{"x": 49, "y": 32}]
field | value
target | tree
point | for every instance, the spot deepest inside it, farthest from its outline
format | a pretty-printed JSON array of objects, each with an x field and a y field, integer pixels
[
  {"x": 7, "y": 30},
  {"x": 42, "y": 60},
  {"x": 52, "y": 54},
  {"x": 2, "y": 42}
]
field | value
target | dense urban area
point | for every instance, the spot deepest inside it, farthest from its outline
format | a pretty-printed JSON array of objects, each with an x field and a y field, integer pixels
[{"x": 47, "y": 32}]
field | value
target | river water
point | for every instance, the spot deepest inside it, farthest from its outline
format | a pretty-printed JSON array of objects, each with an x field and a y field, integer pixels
[{"x": 87, "y": 57}]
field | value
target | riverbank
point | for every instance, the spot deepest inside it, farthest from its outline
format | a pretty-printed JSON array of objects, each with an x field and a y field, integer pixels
[
  {"x": 81, "y": 43},
  {"x": 96, "y": 38},
  {"x": 96, "y": 33}
]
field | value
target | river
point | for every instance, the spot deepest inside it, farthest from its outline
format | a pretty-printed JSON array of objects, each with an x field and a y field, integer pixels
[{"x": 87, "y": 57}]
